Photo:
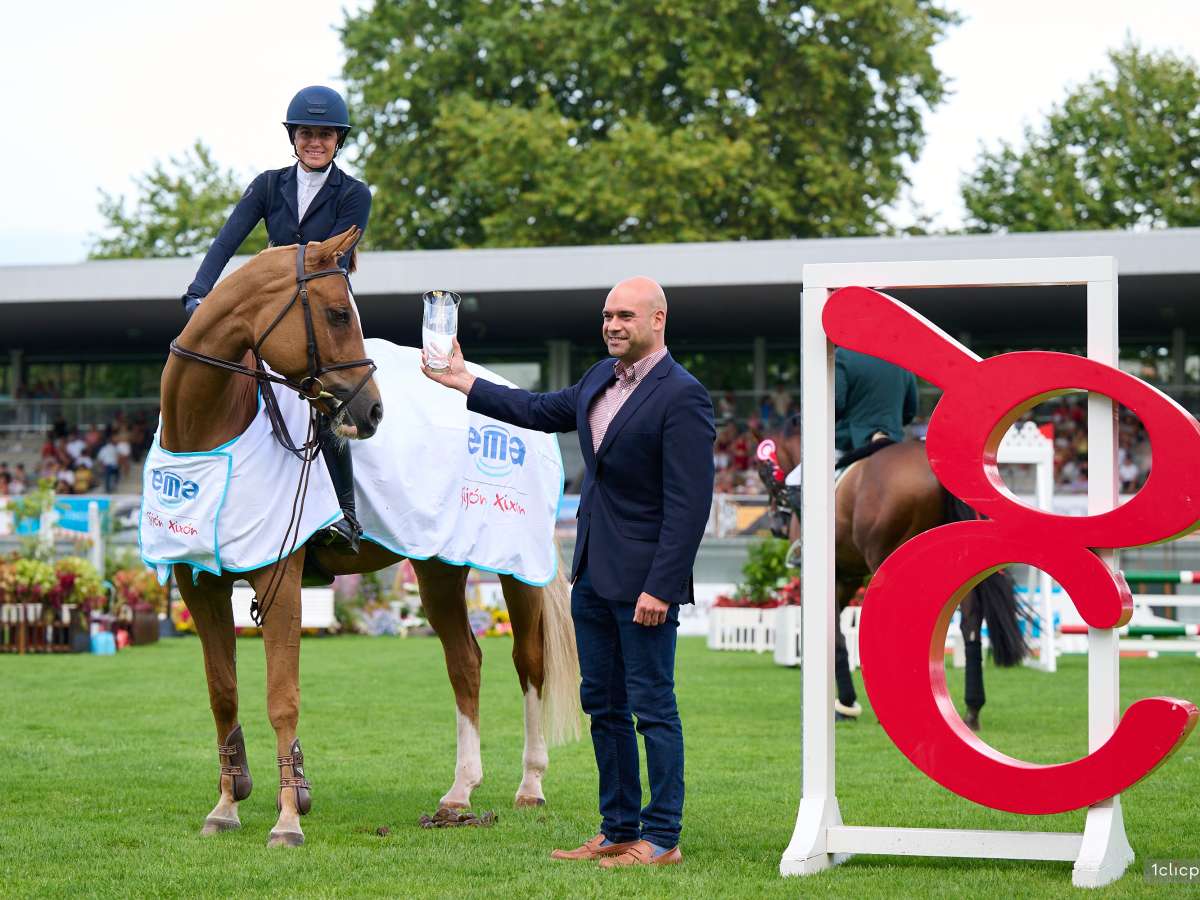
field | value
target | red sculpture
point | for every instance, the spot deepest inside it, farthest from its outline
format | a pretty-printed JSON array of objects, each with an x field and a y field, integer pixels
[{"x": 913, "y": 595}]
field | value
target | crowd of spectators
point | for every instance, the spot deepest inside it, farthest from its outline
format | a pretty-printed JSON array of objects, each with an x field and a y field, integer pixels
[
  {"x": 738, "y": 438},
  {"x": 1071, "y": 445},
  {"x": 42, "y": 389},
  {"x": 80, "y": 460},
  {"x": 14, "y": 481}
]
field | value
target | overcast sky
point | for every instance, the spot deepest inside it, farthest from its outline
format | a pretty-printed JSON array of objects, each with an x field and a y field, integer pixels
[{"x": 97, "y": 92}]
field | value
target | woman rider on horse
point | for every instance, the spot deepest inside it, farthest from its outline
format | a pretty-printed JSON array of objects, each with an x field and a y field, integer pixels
[{"x": 309, "y": 201}]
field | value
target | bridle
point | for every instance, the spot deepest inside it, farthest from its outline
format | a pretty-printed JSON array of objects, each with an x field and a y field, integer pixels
[
  {"x": 781, "y": 500},
  {"x": 310, "y": 387}
]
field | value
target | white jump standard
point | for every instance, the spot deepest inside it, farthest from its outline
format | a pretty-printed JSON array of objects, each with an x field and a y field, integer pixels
[{"x": 1101, "y": 852}]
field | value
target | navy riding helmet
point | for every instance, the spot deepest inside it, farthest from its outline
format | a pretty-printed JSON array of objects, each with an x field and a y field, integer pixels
[{"x": 318, "y": 105}]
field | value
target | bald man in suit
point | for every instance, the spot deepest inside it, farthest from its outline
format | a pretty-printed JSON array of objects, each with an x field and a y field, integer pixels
[{"x": 646, "y": 431}]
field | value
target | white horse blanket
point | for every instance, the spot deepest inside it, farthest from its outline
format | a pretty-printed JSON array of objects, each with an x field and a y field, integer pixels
[{"x": 434, "y": 480}]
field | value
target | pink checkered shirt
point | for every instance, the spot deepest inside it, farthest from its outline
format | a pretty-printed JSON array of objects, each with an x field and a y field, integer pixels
[{"x": 606, "y": 406}]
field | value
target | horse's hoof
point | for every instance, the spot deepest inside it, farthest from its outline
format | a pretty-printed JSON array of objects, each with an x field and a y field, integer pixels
[
  {"x": 452, "y": 804},
  {"x": 971, "y": 719},
  {"x": 213, "y": 825},
  {"x": 524, "y": 802},
  {"x": 285, "y": 839}
]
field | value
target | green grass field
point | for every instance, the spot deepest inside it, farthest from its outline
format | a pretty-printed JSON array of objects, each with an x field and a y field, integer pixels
[{"x": 109, "y": 768}]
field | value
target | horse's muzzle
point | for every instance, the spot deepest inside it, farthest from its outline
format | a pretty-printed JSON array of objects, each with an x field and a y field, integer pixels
[{"x": 361, "y": 419}]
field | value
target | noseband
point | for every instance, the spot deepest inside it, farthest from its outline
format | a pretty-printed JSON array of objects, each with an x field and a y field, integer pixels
[{"x": 310, "y": 387}]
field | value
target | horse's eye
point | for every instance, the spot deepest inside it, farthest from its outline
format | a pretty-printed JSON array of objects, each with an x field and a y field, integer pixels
[{"x": 338, "y": 316}]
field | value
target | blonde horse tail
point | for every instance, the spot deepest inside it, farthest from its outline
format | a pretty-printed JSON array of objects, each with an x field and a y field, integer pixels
[{"x": 562, "y": 714}]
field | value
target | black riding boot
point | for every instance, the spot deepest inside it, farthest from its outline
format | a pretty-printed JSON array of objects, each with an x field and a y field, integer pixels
[{"x": 344, "y": 534}]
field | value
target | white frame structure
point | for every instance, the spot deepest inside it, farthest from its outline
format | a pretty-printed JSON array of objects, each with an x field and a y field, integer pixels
[{"x": 1101, "y": 852}]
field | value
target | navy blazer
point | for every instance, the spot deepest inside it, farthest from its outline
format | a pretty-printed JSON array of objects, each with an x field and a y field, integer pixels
[
  {"x": 342, "y": 201},
  {"x": 647, "y": 490}
]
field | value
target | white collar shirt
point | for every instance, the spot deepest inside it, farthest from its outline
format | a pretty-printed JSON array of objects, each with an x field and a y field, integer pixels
[{"x": 308, "y": 185}]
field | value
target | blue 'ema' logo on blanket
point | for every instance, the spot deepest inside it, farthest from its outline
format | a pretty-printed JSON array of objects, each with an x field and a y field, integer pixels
[
  {"x": 171, "y": 489},
  {"x": 496, "y": 451}
]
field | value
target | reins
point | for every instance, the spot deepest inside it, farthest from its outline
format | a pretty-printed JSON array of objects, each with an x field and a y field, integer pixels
[{"x": 310, "y": 388}]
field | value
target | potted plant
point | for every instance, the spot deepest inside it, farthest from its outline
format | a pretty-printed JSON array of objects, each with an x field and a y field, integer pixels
[
  {"x": 139, "y": 600},
  {"x": 25, "y": 587},
  {"x": 33, "y": 504},
  {"x": 80, "y": 591},
  {"x": 29, "y": 581},
  {"x": 746, "y": 620}
]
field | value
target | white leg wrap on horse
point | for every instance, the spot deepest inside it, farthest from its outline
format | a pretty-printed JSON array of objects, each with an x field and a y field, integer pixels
[
  {"x": 468, "y": 769},
  {"x": 852, "y": 711},
  {"x": 536, "y": 759}
]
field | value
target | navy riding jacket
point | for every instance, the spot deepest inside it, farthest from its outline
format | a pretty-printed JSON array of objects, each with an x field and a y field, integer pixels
[
  {"x": 342, "y": 201},
  {"x": 646, "y": 493}
]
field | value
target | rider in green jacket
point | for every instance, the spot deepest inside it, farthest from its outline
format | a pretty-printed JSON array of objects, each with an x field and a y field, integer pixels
[{"x": 874, "y": 400}]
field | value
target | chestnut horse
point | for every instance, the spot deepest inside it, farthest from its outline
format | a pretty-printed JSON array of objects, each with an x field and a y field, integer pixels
[
  {"x": 205, "y": 404},
  {"x": 887, "y": 497}
]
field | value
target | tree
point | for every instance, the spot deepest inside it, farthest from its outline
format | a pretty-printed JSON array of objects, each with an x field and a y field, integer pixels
[
  {"x": 177, "y": 211},
  {"x": 535, "y": 122},
  {"x": 1122, "y": 151}
]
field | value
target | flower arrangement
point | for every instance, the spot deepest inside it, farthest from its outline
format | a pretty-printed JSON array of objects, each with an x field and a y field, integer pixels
[
  {"x": 768, "y": 582},
  {"x": 501, "y": 623},
  {"x": 68, "y": 582},
  {"x": 78, "y": 584},
  {"x": 139, "y": 590},
  {"x": 26, "y": 581},
  {"x": 182, "y": 619}
]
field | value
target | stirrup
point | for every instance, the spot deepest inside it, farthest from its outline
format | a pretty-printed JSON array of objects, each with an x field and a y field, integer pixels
[
  {"x": 342, "y": 536},
  {"x": 296, "y": 781}
]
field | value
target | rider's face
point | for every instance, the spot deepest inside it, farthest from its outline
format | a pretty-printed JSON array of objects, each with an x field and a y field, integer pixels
[{"x": 315, "y": 146}]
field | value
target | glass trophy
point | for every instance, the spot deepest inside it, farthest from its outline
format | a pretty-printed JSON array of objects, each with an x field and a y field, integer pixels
[{"x": 439, "y": 325}]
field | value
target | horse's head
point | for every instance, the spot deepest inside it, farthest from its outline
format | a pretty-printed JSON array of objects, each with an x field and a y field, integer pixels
[
  {"x": 336, "y": 339},
  {"x": 777, "y": 456}
]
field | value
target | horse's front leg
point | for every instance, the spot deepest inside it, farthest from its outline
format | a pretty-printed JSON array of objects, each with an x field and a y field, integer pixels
[
  {"x": 525, "y": 610},
  {"x": 208, "y": 604},
  {"x": 444, "y": 599},
  {"x": 281, "y": 639}
]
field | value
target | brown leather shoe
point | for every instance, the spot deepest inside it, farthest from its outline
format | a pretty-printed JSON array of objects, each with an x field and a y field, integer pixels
[
  {"x": 592, "y": 849},
  {"x": 642, "y": 854}
]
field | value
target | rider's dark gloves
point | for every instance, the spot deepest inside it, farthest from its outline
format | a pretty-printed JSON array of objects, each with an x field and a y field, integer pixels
[{"x": 190, "y": 304}]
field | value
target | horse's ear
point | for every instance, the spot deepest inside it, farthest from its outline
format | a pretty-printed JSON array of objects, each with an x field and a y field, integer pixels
[
  {"x": 329, "y": 251},
  {"x": 348, "y": 244}
]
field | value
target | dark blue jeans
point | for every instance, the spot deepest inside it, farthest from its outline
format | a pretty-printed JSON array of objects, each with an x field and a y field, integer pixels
[{"x": 630, "y": 669}]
